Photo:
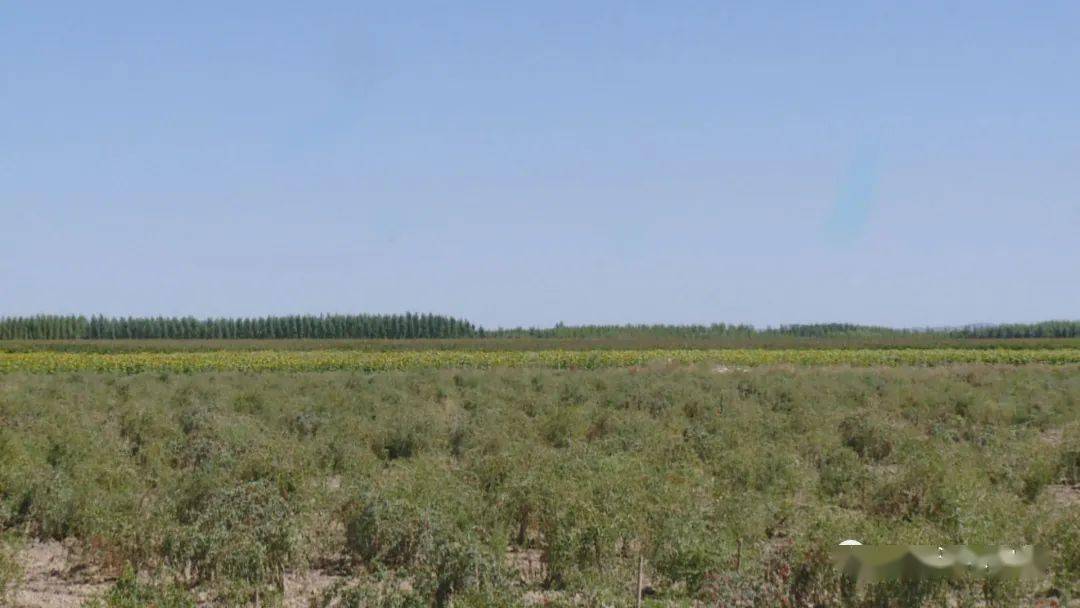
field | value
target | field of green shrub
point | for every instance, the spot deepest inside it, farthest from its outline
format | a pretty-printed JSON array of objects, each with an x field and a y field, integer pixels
[{"x": 531, "y": 485}]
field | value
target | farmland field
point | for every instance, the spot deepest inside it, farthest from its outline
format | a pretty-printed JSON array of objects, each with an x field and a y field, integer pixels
[
  {"x": 617, "y": 342},
  {"x": 501, "y": 478},
  {"x": 354, "y": 360}
]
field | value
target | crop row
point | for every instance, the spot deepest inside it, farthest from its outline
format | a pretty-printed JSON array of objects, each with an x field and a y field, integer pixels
[{"x": 302, "y": 361}]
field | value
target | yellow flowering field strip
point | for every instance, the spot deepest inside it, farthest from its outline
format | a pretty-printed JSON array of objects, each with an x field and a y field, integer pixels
[{"x": 325, "y": 360}]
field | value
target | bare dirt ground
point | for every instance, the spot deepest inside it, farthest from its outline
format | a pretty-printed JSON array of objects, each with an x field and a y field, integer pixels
[
  {"x": 301, "y": 587},
  {"x": 1063, "y": 495},
  {"x": 528, "y": 564},
  {"x": 1052, "y": 437},
  {"x": 54, "y": 578}
]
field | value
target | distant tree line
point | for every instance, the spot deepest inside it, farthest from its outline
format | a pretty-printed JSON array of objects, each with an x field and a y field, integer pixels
[
  {"x": 715, "y": 330},
  {"x": 72, "y": 327},
  {"x": 843, "y": 330},
  {"x": 430, "y": 326},
  {"x": 1046, "y": 329},
  {"x": 561, "y": 330}
]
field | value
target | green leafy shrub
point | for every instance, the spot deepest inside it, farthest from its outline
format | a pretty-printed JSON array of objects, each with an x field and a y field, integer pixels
[
  {"x": 1069, "y": 462},
  {"x": 841, "y": 475},
  {"x": 914, "y": 492},
  {"x": 244, "y": 533},
  {"x": 420, "y": 483},
  {"x": 1038, "y": 473},
  {"x": 370, "y": 593},
  {"x": 426, "y": 526},
  {"x": 688, "y": 551},
  {"x": 561, "y": 426},
  {"x": 1063, "y": 538},
  {"x": 403, "y": 437},
  {"x": 129, "y": 592},
  {"x": 866, "y": 437},
  {"x": 10, "y": 572}
]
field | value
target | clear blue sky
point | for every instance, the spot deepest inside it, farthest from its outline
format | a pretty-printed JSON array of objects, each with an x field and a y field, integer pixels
[{"x": 525, "y": 163}]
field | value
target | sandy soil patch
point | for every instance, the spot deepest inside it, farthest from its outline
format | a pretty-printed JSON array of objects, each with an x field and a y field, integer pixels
[
  {"x": 52, "y": 578},
  {"x": 1064, "y": 495}
]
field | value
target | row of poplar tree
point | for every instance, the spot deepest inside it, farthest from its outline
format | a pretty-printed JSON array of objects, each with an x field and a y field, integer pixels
[
  {"x": 561, "y": 330},
  {"x": 1045, "y": 329},
  {"x": 72, "y": 327},
  {"x": 411, "y": 325}
]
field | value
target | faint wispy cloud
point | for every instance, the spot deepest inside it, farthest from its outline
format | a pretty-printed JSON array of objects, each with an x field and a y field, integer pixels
[{"x": 855, "y": 199}]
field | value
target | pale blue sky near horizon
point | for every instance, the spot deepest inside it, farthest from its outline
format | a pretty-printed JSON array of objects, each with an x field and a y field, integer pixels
[{"x": 517, "y": 164}]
